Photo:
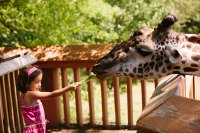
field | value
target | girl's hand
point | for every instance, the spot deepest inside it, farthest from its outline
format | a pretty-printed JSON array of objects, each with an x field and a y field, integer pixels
[{"x": 74, "y": 86}]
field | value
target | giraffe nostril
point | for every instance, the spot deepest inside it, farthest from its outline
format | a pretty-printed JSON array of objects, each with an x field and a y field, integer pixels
[
  {"x": 175, "y": 53},
  {"x": 94, "y": 70},
  {"x": 98, "y": 69}
]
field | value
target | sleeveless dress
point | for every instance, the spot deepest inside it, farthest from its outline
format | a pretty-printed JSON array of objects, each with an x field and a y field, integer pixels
[{"x": 34, "y": 117}]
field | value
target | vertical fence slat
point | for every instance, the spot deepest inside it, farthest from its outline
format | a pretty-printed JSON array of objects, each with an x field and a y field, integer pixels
[
  {"x": 143, "y": 89},
  {"x": 1, "y": 111},
  {"x": 191, "y": 93},
  {"x": 67, "y": 116},
  {"x": 78, "y": 98},
  {"x": 194, "y": 97},
  {"x": 117, "y": 101},
  {"x": 91, "y": 98},
  {"x": 156, "y": 83},
  {"x": 189, "y": 86},
  {"x": 104, "y": 102},
  {"x": 192, "y": 87},
  {"x": 10, "y": 103},
  {"x": 129, "y": 101},
  {"x": 18, "y": 97},
  {"x": 196, "y": 86},
  {"x": 5, "y": 109},
  {"x": 15, "y": 102}
]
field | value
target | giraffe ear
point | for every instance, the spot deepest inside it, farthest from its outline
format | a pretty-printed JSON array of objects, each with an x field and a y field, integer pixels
[
  {"x": 193, "y": 38},
  {"x": 175, "y": 56}
]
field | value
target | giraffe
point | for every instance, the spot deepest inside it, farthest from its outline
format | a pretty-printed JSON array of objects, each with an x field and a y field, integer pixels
[{"x": 152, "y": 53}]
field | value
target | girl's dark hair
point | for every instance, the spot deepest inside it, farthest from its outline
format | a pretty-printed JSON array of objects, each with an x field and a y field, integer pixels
[{"x": 23, "y": 79}]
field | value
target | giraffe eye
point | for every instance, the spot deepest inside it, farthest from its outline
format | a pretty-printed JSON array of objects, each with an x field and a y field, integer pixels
[
  {"x": 175, "y": 53},
  {"x": 143, "y": 51}
]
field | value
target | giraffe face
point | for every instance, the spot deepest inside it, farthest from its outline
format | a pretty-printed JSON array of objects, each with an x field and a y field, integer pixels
[
  {"x": 152, "y": 54},
  {"x": 127, "y": 59}
]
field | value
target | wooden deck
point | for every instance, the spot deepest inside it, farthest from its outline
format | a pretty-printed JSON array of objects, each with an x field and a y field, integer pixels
[
  {"x": 95, "y": 129},
  {"x": 91, "y": 131}
]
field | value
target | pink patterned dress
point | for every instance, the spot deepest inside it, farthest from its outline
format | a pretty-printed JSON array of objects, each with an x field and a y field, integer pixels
[{"x": 34, "y": 117}]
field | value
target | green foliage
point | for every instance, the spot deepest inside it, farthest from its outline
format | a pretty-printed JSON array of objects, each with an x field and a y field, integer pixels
[
  {"x": 189, "y": 15},
  {"x": 74, "y": 22},
  {"x": 137, "y": 13}
]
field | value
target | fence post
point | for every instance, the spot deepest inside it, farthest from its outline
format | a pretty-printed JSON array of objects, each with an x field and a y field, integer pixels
[
  {"x": 1, "y": 112},
  {"x": 15, "y": 101},
  {"x": 117, "y": 101},
  {"x": 91, "y": 98},
  {"x": 5, "y": 109},
  {"x": 22, "y": 123},
  {"x": 104, "y": 102},
  {"x": 129, "y": 100},
  {"x": 51, "y": 106},
  {"x": 67, "y": 116},
  {"x": 10, "y": 103},
  {"x": 78, "y": 99},
  {"x": 143, "y": 87}
]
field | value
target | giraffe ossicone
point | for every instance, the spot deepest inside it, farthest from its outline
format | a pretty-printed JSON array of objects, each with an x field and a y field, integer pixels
[{"x": 152, "y": 53}]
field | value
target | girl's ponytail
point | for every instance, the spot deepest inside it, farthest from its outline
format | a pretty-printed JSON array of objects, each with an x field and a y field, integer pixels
[{"x": 22, "y": 81}]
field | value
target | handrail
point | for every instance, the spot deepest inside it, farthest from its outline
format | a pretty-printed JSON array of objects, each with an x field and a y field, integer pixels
[{"x": 14, "y": 55}]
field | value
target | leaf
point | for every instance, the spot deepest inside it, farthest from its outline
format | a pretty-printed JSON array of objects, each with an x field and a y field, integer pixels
[{"x": 87, "y": 78}]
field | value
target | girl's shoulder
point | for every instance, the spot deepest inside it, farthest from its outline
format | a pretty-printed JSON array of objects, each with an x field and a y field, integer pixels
[
  {"x": 31, "y": 95},
  {"x": 27, "y": 99}
]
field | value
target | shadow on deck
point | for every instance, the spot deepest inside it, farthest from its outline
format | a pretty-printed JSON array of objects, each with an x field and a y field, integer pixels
[{"x": 89, "y": 129}]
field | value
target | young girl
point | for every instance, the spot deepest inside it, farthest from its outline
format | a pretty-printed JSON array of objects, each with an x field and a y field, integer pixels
[{"x": 29, "y": 84}]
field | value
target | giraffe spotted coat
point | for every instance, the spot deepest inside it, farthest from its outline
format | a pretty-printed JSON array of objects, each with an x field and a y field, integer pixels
[{"x": 152, "y": 53}]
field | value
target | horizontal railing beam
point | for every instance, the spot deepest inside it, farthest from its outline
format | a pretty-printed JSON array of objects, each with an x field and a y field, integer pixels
[
  {"x": 66, "y": 64},
  {"x": 16, "y": 63}
]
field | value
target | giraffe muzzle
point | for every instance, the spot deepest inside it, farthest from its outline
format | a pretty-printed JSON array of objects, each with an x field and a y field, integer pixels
[{"x": 100, "y": 71}]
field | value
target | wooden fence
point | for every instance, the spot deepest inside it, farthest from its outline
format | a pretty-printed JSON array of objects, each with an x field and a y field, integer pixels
[
  {"x": 10, "y": 117},
  {"x": 51, "y": 70},
  {"x": 52, "y": 73}
]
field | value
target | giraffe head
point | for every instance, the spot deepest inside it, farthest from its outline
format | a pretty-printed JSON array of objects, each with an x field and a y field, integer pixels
[{"x": 152, "y": 53}]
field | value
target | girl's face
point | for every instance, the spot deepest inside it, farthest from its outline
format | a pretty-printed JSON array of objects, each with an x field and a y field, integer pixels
[{"x": 35, "y": 85}]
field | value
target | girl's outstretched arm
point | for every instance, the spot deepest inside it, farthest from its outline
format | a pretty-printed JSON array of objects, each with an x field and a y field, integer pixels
[{"x": 47, "y": 95}]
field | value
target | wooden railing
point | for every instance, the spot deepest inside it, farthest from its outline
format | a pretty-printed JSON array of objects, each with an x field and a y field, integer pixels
[
  {"x": 10, "y": 116},
  {"x": 53, "y": 73},
  {"x": 104, "y": 93},
  {"x": 63, "y": 66}
]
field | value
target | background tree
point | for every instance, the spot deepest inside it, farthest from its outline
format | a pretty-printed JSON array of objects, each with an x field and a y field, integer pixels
[{"x": 74, "y": 22}]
